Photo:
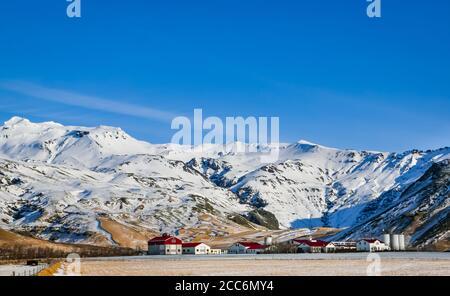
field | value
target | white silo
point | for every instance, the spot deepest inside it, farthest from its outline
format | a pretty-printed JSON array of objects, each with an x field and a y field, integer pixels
[
  {"x": 395, "y": 244},
  {"x": 401, "y": 242},
  {"x": 387, "y": 239},
  {"x": 268, "y": 241}
]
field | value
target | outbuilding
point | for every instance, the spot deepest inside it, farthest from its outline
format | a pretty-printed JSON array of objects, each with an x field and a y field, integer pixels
[
  {"x": 371, "y": 245},
  {"x": 314, "y": 246},
  {"x": 247, "y": 248},
  {"x": 165, "y": 245},
  {"x": 345, "y": 246},
  {"x": 196, "y": 249},
  {"x": 218, "y": 252}
]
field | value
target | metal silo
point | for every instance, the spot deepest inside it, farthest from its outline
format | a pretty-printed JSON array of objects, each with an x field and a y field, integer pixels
[
  {"x": 395, "y": 243},
  {"x": 268, "y": 241},
  {"x": 387, "y": 240},
  {"x": 401, "y": 242}
]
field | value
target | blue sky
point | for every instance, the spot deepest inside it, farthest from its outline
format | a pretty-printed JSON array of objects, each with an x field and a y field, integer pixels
[{"x": 330, "y": 73}]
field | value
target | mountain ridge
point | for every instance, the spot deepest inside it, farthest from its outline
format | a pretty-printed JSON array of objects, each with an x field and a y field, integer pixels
[{"x": 56, "y": 181}]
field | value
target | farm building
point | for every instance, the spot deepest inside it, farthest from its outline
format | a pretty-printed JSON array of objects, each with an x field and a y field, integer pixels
[
  {"x": 165, "y": 245},
  {"x": 218, "y": 252},
  {"x": 196, "y": 249},
  {"x": 348, "y": 246},
  {"x": 371, "y": 245},
  {"x": 314, "y": 246},
  {"x": 247, "y": 248}
]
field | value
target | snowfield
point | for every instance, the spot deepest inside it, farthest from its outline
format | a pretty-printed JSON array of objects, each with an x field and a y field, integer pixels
[
  {"x": 20, "y": 270},
  {"x": 391, "y": 264}
]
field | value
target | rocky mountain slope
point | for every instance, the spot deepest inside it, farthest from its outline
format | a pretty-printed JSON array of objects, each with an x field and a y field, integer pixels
[
  {"x": 421, "y": 211},
  {"x": 59, "y": 182}
]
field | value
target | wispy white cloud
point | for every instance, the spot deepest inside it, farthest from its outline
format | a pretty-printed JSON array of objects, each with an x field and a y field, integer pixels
[{"x": 85, "y": 101}]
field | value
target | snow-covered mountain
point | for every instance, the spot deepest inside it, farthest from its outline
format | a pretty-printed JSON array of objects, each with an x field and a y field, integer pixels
[
  {"x": 422, "y": 210},
  {"x": 57, "y": 181},
  {"x": 316, "y": 185}
]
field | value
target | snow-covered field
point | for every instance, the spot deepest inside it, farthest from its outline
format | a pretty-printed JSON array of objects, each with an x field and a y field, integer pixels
[
  {"x": 319, "y": 256},
  {"x": 20, "y": 270},
  {"x": 358, "y": 264}
]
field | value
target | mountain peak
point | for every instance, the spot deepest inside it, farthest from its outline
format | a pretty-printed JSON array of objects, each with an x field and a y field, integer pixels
[
  {"x": 15, "y": 120},
  {"x": 311, "y": 145},
  {"x": 52, "y": 142},
  {"x": 304, "y": 142},
  {"x": 20, "y": 121}
]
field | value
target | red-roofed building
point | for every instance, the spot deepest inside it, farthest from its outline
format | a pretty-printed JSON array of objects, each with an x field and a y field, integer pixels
[
  {"x": 196, "y": 249},
  {"x": 314, "y": 246},
  {"x": 247, "y": 248},
  {"x": 165, "y": 245},
  {"x": 371, "y": 245}
]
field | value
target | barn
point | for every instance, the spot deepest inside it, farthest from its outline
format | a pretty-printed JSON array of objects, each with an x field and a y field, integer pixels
[
  {"x": 371, "y": 245},
  {"x": 165, "y": 245},
  {"x": 347, "y": 246},
  {"x": 247, "y": 248},
  {"x": 314, "y": 246},
  {"x": 196, "y": 249},
  {"x": 218, "y": 252}
]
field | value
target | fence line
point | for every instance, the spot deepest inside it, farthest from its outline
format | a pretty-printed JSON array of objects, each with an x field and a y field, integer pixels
[{"x": 32, "y": 271}]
